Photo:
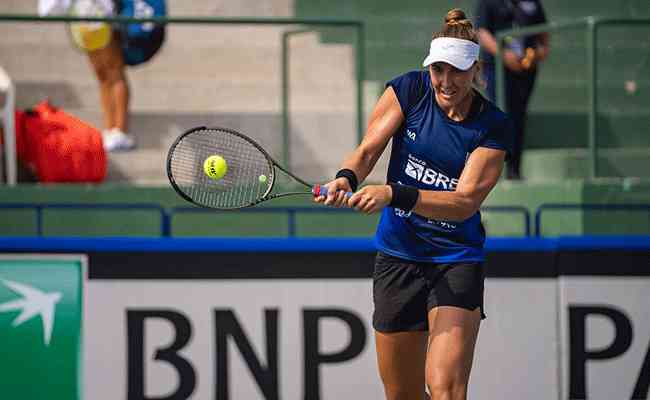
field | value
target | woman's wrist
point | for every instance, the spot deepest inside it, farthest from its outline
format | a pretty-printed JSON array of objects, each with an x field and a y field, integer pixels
[
  {"x": 403, "y": 197},
  {"x": 350, "y": 176}
]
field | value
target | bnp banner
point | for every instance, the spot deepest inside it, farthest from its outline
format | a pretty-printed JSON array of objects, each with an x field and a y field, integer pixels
[{"x": 40, "y": 326}]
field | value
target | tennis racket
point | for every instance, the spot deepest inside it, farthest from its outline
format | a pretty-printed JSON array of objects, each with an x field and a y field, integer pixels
[{"x": 249, "y": 179}]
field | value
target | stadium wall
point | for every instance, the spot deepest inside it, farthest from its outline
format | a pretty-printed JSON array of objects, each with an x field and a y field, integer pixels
[
  {"x": 290, "y": 319},
  {"x": 143, "y": 223}
]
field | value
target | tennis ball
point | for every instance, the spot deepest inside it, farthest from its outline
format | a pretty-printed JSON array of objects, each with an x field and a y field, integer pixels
[
  {"x": 262, "y": 178},
  {"x": 215, "y": 167}
]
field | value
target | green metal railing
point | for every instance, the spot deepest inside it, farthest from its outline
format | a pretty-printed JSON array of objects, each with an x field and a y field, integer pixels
[
  {"x": 591, "y": 24},
  {"x": 311, "y": 23},
  {"x": 286, "y": 57}
]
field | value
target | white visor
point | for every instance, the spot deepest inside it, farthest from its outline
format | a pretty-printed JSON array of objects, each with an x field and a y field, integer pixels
[{"x": 460, "y": 53}]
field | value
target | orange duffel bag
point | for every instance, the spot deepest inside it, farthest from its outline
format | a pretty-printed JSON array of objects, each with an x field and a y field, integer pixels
[{"x": 59, "y": 147}]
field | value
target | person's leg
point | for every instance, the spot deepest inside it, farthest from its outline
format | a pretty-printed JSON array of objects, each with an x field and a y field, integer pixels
[
  {"x": 452, "y": 337},
  {"x": 401, "y": 362},
  {"x": 519, "y": 88},
  {"x": 110, "y": 70},
  {"x": 516, "y": 110},
  {"x": 400, "y": 322}
]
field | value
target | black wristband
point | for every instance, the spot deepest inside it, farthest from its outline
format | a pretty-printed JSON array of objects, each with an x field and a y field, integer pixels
[
  {"x": 404, "y": 197},
  {"x": 351, "y": 177}
]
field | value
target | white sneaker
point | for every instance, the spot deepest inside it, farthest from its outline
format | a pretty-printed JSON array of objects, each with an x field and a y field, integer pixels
[{"x": 116, "y": 140}]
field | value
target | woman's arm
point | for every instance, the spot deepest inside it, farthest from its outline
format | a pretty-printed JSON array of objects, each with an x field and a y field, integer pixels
[
  {"x": 385, "y": 119},
  {"x": 479, "y": 176}
]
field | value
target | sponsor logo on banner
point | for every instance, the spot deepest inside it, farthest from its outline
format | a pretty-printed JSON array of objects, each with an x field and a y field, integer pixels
[
  {"x": 609, "y": 332},
  {"x": 229, "y": 340},
  {"x": 32, "y": 304},
  {"x": 40, "y": 326}
]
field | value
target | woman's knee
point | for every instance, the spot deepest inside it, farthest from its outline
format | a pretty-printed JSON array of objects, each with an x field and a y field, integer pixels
[
  {"x": 445, "y": 385},
  {"x": 404, "y": 392}
]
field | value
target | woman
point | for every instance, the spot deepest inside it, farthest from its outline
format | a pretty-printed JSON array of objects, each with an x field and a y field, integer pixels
[
  {"x": 110, "y": 70},
  {"x": 108, "y": 64},
  {"x": 449, "y": 146}
]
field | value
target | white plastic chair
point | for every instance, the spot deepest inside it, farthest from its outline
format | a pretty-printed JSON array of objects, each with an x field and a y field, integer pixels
[{"x": 7, "y": 87}]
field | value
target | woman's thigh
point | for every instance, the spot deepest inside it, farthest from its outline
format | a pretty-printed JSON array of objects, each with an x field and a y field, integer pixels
[
  {"x": 108, "y": 62},
  {"x": 401, "y": 360},
  {"x": 452, "y": 338}
]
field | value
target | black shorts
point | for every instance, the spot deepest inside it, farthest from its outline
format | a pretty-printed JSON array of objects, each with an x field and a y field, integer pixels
[{"x": 405, "y": 291}]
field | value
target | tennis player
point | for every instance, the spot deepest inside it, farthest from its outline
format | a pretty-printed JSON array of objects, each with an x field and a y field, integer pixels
[{"x": 448, "y": 150}]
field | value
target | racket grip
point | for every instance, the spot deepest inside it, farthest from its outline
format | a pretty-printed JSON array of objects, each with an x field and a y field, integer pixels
[{"x": 321, "y": 190}]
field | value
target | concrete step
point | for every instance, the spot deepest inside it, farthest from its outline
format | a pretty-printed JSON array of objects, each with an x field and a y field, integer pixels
[{"x": 318, "y": 143}]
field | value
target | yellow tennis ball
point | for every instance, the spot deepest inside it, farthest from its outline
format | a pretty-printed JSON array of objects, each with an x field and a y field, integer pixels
[
  {"x": 262, "y": 178},
  {"x": 215, "y": 167}
]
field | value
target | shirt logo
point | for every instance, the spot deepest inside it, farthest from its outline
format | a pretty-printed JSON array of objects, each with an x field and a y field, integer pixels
[
  {"x": 529, "y": 7},
  {"x": 414, "y": 170},
  {"x": 411, "y": 134},
  {"x": 418, "y": 170}
]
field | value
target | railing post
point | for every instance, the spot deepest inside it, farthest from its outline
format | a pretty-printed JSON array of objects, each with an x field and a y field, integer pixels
[
  {"x": 292, "y": 222},
  {"x": 592, "y": 89},
  {"x": 361, "y": 73},
  {"x": 500, "y": 89},
  {"x": 286, "y": 123}
]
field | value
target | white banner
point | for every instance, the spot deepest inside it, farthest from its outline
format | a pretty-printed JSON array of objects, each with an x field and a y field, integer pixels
[
  {"x": 113, "y": 309},
  {"x": 517, "y": 348},
  {"x": 606, "y": 337}
]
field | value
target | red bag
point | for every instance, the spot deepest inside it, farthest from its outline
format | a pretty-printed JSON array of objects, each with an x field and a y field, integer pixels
[{"x": 59, "y": 147}]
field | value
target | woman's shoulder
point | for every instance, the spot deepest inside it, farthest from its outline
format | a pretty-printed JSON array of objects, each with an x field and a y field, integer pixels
[
  {"x": 410, "y": 77},
  {"x": 491, "y": 113}
]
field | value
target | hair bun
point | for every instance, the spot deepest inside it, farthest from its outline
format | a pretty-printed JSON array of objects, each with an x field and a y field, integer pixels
[{"x": 455, "y": 16}]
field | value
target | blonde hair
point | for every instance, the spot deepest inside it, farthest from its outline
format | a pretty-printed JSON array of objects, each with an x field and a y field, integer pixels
[{"x": 457, "y": 26}]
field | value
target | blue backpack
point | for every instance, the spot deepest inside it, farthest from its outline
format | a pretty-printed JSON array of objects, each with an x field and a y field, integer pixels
[{"x": 140, "y": 42}]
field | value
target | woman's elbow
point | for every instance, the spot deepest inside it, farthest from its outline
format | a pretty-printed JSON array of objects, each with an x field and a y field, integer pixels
[{"x": 465, "y": 208}]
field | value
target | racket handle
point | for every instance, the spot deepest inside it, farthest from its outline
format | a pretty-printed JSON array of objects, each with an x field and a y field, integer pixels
[{"x": 321, "y": 190}]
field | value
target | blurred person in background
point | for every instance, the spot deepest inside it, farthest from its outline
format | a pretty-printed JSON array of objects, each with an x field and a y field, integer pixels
[
  {"x": 521, "y": 57},
  {"x": 109, "y": 67},
  {"x": 101, "y": 43}
]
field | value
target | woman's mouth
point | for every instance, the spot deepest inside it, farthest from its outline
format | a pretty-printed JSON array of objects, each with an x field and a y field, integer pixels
[{"x": 447, "y": 93}]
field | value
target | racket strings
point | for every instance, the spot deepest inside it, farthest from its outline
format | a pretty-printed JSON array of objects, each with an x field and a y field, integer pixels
[{"x": 239, "y": 187}]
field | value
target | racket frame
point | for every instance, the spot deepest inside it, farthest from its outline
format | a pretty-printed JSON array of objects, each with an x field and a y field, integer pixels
[{"x": 272, "y": 164}]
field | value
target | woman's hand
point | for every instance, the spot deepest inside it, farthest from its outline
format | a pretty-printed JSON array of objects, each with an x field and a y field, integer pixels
[
  {"x": 371, "y": 198},
  {"x": 336, "y": 191}
]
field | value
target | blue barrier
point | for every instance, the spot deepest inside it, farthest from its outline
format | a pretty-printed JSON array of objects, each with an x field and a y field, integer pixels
[
  {"x": 584, "y": 206},
  {"x": 492, "y": 245}
]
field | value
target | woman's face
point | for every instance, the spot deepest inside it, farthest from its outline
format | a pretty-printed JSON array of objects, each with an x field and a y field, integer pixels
[{"x": 451, "y": 84}]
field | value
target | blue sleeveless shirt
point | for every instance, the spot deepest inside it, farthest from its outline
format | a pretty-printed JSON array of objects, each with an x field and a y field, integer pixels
[{"x": 429, "y": 152}]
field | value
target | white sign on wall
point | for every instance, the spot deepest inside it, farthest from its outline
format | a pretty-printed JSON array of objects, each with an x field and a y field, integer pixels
[
  {"x": 606, "y": 337},
  {"x": 229, "y": 339}
]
